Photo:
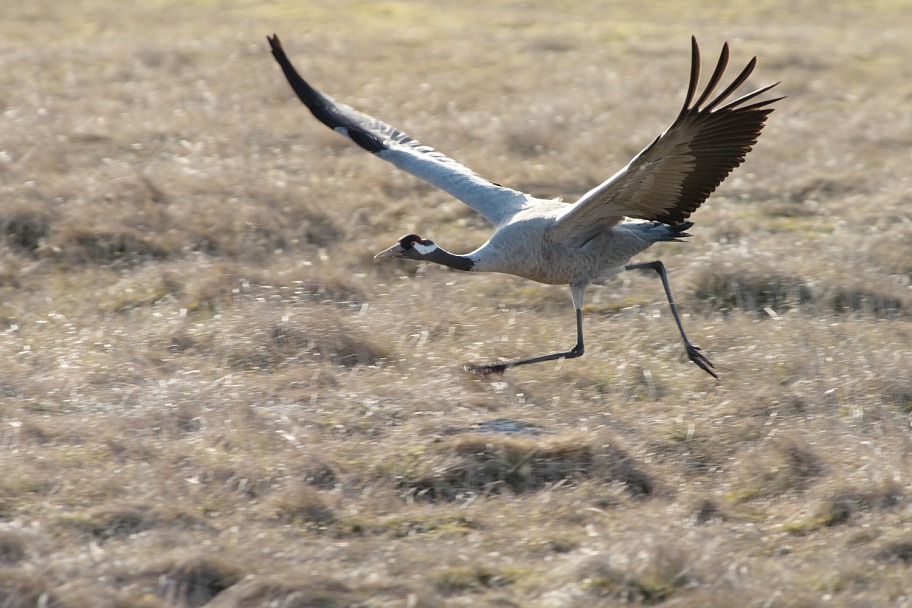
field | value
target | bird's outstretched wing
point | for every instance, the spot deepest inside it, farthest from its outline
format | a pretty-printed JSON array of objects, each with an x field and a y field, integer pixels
[
  {"x": 671, "y": 177},
  {"x": 496, "y": 203}
]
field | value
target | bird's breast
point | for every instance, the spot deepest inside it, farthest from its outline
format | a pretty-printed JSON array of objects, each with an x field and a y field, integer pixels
[
  {"x": 528, "y": 254},
  {"x": 540, "y": 261}
]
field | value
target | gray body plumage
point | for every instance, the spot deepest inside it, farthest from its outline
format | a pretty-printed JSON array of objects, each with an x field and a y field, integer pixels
[
  {"x": 594, "y": 238},
  {"x": 523, "y": 248}
]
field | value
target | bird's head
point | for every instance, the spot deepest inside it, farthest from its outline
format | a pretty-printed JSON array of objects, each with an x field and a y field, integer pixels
[{"x": 410, "y": 246}]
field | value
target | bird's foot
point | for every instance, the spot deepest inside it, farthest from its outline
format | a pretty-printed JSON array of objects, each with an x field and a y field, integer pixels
[
  {"x": 694, "y": 354},
  {"x": 484, "y": 370},
  {"x": 576, "y": 351}
]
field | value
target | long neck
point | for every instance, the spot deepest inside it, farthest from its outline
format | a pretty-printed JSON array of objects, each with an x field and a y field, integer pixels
[{"x": 445, "y": 258}]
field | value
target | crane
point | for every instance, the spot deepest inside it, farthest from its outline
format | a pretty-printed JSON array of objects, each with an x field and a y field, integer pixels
[{"x": 549, "y": 241}]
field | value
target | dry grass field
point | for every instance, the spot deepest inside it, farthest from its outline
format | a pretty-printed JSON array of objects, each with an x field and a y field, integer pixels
[{"x": 212, "y": 395}]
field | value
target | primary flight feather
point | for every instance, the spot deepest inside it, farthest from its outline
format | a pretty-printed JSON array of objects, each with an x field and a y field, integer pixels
[{"x": 574, "y": 244}]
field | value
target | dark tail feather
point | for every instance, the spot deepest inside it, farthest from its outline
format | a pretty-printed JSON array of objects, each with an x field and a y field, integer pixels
[
  {"x": 680, "y": 231},
  {"x": 666, "y": 232}
]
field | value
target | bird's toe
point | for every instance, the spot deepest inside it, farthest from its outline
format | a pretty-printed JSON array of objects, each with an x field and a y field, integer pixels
[
  {"x": 694, "y": 354},
  {"x": 484, "y": 370}
]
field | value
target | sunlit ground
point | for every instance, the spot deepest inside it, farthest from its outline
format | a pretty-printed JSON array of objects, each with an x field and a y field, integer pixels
[{"x": 213, "y": 395}]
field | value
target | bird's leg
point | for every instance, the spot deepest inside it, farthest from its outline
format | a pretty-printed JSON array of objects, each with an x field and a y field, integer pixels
[
  {"x": 576, "y": 351},
  {"x": 693, "y": 352}
]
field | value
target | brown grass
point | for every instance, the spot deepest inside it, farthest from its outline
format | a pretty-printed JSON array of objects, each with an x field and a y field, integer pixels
[{"x": 213, "y": 396}]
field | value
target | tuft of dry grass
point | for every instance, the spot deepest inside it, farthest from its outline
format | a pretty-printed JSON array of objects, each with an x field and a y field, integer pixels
[
  {"x": 194, "y": 581},
  {"x": 286, "y": 592},
  {"x": 13, "y": 547},
  {"x": 112, "y": 520},
  {"x": 24, "y": 229},
  {"x": 300, "y": 504},
  {"x": 473, "y": 465},
  {"x": 22, "y": 588},
  {"x": 897, "y": 551}
]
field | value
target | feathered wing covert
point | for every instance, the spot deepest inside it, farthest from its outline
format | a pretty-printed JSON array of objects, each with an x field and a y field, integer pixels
[
  {"x": 665, "y": 182},
  {"x": 495, "y": 203},
  {"x": 672, "y": 176}
]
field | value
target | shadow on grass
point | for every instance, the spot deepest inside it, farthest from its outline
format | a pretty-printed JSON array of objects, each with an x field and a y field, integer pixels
[
  {"x": 762, "y": 291},
  {"x": 486, "y": 465}
]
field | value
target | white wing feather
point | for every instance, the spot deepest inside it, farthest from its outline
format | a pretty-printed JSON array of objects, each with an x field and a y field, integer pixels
[{"x": 494, "y": 202}]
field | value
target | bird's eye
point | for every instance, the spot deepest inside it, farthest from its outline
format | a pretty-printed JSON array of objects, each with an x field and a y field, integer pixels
[{"x": 409, "y": 240}]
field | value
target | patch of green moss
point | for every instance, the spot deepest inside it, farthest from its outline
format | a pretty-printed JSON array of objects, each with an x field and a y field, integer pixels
[
  {"x": 445, "y": 525},
  {"x": 745, "y": 494},
  {"x": 828, "y": 518}
]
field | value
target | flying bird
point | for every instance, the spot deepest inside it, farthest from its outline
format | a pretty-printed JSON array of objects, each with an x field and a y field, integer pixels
[{"x": 557, "y": 243}]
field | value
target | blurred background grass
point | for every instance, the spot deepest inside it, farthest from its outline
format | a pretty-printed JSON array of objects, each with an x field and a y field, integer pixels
[{"x": 214, "y": 396}]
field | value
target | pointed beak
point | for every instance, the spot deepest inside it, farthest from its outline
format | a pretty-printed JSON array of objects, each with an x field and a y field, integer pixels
[{"x": 395, "y": 251}]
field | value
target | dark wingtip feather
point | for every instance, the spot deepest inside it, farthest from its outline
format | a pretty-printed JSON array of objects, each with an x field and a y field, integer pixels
[
  {"x": 725, "y": 136},
  {"x": 323, "y": 108},
  {"x": 737, "y": 82},
  {"x": 276, "y": 45},
  {"x": 694, "y": 74},
  {"x": 304, "y": 91},
  {"x": 715, "y": 78},
  {"x": 744, "y": 98}
]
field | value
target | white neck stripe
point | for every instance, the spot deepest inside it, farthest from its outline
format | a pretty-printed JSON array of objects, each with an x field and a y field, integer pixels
[{"x": 424, "y": 249}]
